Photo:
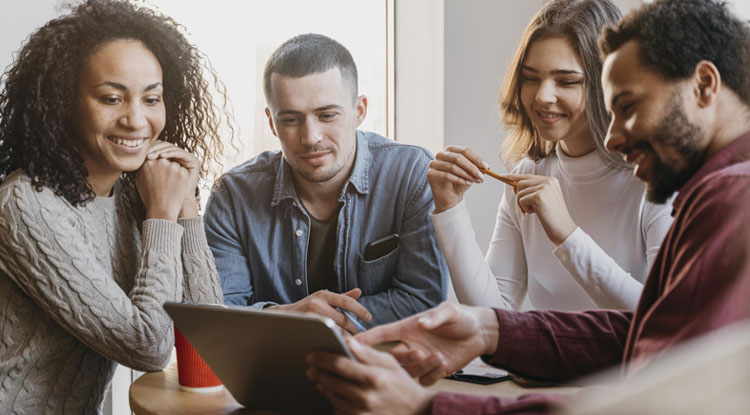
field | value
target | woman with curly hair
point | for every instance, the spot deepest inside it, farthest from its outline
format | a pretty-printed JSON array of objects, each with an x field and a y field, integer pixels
[
  {"x": 106, "y": 125},
  {"x": 555, "y": 235}
]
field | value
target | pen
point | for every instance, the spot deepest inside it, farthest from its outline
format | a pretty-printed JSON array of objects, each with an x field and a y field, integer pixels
[{"x": 351, "y": 317}]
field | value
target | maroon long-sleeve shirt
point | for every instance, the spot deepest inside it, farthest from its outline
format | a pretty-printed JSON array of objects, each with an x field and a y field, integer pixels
[{"x": 700, "y": 281}]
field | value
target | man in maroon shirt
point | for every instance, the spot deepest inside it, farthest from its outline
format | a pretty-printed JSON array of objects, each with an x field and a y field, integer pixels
[{"x": 677, "y": 87}]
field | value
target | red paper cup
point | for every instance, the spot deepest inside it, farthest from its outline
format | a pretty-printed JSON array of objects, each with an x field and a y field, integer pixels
[{"x": 193, "y": 372}]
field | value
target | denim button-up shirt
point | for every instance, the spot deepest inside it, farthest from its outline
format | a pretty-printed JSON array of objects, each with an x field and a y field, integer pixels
[{"x": 258, "y": 231}]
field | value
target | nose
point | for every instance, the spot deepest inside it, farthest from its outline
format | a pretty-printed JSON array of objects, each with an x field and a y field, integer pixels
[
  {"x": 312, "y": 132},
  {"x": 546, "y": 94},
  {"x": 615, "y": 140},
  {"x": 134, "y": 117}
]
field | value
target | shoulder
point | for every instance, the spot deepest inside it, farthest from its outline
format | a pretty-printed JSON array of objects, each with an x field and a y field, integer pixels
[
  {"x": 728, "y": 188},
  {"x": 17, "y": 192},
  {"x": 394, "y": 158},
  {"x": 383, "y": 148},
  {"x": 258, "y": 173},
  {"x": 718, "y": 204}
]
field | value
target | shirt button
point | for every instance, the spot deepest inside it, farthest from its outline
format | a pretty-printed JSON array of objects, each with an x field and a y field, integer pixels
[
  {"x": 299, "y": 232},
  {"x": 298, "y": 282}
]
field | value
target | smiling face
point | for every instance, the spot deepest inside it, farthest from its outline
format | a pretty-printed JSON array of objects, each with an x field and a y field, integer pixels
[
  {"x": 552, "y": 94},
  {"x": 315, "y": 120},
  {"x": 650, "y": 124},
  {"x": 119, "y": 110}
]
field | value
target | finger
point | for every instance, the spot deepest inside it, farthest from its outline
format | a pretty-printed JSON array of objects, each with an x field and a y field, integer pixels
[
  {"x": 179, "y": 155},
  {"x": 346, "y": 302},
  {"x": 367, "y": 354},
  {"x": 473, "y": 157},
  {"x": 157, "y": 147},
  {"x": 332, "y": 383},
  {"x": 459, "y": 165},
  {"x": 340, "y": 403},
  {"x": 439, "y": 372},
  {"x": 381, "y": 334},
  {"x": 338, "y": 317},
  {"x": 408, "y": 357},
  {"x": 520, "y": 206},
  {"x": 529, "y": 191},
  {"x": 437, "y": 316},
  {"x": 518, "y": 177},
  {"x": 159, "y": 144},
  {"x": 427, "y": 366},
  {"x": 341, "y": 366},
  {"x": 468, "y": 173},
  {"x": 443, "y": 176},
  {"x": 355, "y": 293}
]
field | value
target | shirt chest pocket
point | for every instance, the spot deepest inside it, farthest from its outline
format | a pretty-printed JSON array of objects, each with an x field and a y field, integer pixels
[{"x": 375, "y": 276}]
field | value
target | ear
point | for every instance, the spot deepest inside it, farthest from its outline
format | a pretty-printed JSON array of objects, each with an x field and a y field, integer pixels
[
  {"x": 361, "y": 108},
  {"x": 707, "y": 83},
  {"x": 270, "y": 122}
]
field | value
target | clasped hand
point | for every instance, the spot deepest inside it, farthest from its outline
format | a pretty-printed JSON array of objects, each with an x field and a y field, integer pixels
[
  {"x": 439, "y": 341},
  {"x": 167, "y": 181},
  {"x": 434, "y": 344},
  {"x": 325, "y": 303},
  {"x": 543, "y": 196}
]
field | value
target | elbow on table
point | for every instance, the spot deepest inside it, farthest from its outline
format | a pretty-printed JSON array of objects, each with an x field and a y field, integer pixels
[{"x": 150, "y": 363}]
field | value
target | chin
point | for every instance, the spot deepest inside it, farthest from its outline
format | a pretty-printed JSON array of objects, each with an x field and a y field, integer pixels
[{"x": 130, "y": 166}]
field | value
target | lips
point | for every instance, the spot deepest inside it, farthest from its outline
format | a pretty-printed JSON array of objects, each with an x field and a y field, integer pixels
[
  {"x": 549, "y": 117},
  {"x": 316, "y": 158},
  {"x": 129, "y": 142},
  {"x": 638, "y": 157}
]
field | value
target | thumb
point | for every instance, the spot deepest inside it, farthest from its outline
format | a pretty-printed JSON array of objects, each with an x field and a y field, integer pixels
[
  {"x": 369, "y": 355},
  {"x": 436, "y": 317}
]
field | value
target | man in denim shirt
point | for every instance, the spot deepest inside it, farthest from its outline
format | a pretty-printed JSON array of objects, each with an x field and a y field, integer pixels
[{"x": 290, "y": 229}]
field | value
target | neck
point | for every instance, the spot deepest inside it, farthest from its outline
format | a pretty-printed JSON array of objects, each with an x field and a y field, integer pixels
[
  {"x": 320, "y": 199},
  {"x": 578, "y": 146},
  {"x": 733, "y": 120},
  {"x": 102, "y": 184}
]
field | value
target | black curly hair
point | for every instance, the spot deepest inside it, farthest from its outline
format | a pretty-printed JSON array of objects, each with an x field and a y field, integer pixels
[
  {"x": 674, "y": 35},
  {"x": 37, "y": 100}
]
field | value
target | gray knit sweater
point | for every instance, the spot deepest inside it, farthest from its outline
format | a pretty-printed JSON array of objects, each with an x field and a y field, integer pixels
[{"x": 82, "y": 288}]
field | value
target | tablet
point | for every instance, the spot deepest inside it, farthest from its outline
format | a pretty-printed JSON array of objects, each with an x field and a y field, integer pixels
[{"x": 259, "y": 356}]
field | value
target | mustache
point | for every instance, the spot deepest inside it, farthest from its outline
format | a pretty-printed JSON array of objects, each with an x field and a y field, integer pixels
[
  {"x": 646, "y": 147},
  {"x": 318, "y": 148}
]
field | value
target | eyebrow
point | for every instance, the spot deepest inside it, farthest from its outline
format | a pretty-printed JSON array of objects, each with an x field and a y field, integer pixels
[
  {"x": 319, "y": 109},
  {"x": 122, "y": 87},
  {"x": 554, "y": 72}
]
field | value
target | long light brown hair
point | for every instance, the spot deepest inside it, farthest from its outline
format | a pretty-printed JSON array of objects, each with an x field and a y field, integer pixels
[{"x": 580, "y": 22}]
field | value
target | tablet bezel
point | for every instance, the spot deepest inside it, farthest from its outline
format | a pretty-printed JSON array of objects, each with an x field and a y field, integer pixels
[{"x": 260, "y": 355}]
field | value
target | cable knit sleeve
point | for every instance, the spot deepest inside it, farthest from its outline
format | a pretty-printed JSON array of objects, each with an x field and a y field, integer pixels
[
  {"x": 605, "y": 282},
  {"x": 201, "y": 281},
  {"x": 499, "y": 280},
  {"x": 45, "y": 249}
]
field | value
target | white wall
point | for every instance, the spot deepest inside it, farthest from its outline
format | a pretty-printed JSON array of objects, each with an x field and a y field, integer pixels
[{"x": 481, "y": 37}]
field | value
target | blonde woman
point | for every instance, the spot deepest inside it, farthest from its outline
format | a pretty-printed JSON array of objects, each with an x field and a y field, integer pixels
[{"x": 555, "y": 236}]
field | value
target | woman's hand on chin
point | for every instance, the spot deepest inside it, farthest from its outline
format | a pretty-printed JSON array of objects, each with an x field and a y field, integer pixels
[
  {"x": 162, "y": 185},
  {"x": 169, "y": 151}
]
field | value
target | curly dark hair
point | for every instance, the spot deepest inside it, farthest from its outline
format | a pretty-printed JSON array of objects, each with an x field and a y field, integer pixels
[
  {"x": 37, "y": 101},
  {"x": 673, "y": 36}
]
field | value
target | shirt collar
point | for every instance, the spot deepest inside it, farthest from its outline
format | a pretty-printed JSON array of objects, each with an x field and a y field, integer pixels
[
  {"x": 736, "y": 151},
  {"x": 359, "y": 178}
]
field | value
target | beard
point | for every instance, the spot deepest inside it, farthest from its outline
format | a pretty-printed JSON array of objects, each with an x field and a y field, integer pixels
[
  {"x": 677, "y": 132},
  {"x": 323, "y": 173}
]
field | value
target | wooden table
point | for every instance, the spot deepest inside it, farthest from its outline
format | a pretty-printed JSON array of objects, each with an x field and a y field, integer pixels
[{"x": 158, "y": 393}]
